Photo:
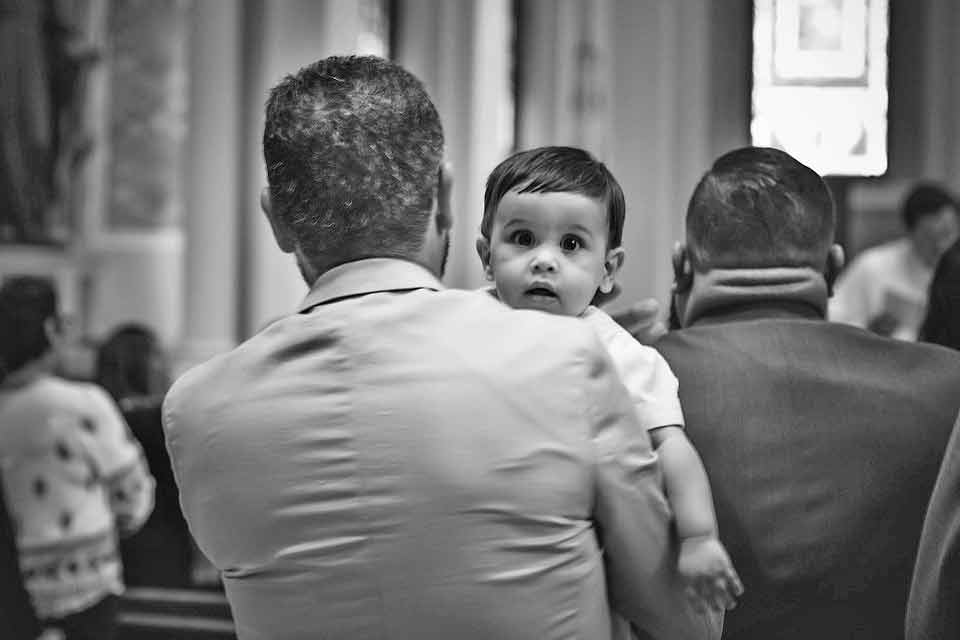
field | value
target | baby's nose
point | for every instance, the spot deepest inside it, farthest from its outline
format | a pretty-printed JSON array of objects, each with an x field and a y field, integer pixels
[{"x": 544, "y": 261}]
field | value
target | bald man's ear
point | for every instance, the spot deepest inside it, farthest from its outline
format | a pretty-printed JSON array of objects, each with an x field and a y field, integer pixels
[
  {"x": 682, "y": 269},
  {"x": 835, "y": 262},
  {"x": 281, "y": 233}
]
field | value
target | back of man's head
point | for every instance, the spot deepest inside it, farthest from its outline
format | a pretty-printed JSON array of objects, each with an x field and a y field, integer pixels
[
  {"x": 759, "y": 207},
  {"x": 353, "y": 147}
]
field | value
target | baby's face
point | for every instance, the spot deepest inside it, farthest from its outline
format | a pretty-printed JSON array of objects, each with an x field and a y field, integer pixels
[{"x": 548, "y": 251}]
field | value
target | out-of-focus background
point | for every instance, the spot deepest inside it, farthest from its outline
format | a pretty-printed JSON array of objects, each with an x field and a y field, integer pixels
[{"x": 131, "y": 161}]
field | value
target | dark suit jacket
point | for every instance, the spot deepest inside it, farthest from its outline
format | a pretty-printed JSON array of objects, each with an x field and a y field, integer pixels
[{"x": 822, "y": 443}]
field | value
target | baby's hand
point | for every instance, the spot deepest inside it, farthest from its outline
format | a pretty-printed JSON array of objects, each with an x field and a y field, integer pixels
[{"x": 708, "y": 573}]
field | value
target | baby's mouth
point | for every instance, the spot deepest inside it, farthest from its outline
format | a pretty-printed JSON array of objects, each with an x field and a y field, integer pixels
[{"x": 541, "y": 292}]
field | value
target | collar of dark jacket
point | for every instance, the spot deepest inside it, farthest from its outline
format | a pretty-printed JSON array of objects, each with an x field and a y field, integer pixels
[{"x": 780, "y": 291}]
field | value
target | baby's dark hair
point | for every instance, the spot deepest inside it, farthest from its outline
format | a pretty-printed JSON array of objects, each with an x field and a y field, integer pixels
[{"x": 552, "y": 170}]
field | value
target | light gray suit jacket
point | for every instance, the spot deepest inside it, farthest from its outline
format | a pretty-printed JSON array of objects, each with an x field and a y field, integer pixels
[{"x": 402, "y": 461}]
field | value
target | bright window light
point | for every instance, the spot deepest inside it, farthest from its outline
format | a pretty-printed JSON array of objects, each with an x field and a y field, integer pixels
[{"x": 820, "y": 83}]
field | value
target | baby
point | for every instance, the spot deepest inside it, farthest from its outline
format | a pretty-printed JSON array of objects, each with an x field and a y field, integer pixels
[{"x": 550, "y": 240}]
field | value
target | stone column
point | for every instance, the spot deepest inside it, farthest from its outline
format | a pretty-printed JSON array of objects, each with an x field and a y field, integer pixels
[{"x": 213, "y": 182}]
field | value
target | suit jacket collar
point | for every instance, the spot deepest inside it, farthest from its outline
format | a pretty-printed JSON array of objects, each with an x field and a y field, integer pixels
[
  {"x": 728, "y": 294},
  {"x": 370, "y": 275}
]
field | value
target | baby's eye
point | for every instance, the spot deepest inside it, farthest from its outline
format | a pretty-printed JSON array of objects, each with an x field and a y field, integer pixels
[
  {"x": 571, "y": 243},
  {"x": 522, "y": 237}
]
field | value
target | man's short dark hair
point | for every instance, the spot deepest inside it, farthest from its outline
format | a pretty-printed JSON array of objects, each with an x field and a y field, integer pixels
[
  {"x": 552, "y": 170},
  {"x": 923, "y": 200},
  {"x": 759, "y": 207},
  {"x": 26, "y": 302},
  {"x": 353, "y": 147}
]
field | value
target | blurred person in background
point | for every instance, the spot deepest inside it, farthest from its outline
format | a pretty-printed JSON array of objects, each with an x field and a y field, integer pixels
[
  {"x": 74, "y": 477},
  {"x": 934, "y": 607},
  {"x": 132, "y": 367},
  {"x": 942, "y": 324},
  {"x": 884, "y": 289}
]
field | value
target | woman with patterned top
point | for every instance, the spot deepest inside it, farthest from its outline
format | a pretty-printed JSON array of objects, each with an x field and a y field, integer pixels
[{"x": 73, "y": 475}]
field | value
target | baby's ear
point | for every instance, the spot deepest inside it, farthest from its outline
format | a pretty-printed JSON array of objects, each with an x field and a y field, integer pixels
[
  {"x": 483, "y": 250},
  {"x": 611, "y": 267}
]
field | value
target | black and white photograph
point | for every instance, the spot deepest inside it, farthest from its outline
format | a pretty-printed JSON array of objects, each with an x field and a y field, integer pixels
[{"x": 479, "y": 320}]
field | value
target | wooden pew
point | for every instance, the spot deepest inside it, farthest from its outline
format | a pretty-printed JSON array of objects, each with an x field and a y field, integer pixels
[{"x": 148, "y": 613}]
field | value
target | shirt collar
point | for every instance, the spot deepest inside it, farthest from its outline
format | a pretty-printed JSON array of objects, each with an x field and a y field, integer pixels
[{"x": 370, "y": 275}]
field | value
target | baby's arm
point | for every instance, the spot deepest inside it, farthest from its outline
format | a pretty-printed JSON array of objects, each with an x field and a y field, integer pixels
[{"x": 704, "y": 562}]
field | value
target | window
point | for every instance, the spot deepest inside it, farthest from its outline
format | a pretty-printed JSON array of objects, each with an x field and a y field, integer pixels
[{"x": 820, "y": 83}]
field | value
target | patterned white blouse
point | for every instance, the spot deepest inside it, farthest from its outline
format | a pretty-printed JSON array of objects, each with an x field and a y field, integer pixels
[{"x": 74, "y": 479}]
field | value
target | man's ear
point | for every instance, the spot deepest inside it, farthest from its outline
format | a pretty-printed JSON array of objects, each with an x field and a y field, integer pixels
[
  {"x": 53, "y": 328},
  {"x": 483, "y": 250},
  {"x": 835, "y": 261},
  {"x": 682, "y": 269},
  {"x": 444, "y": 210},
  {"x": 611, "y": 267},
  {"x": 281, "y": 233}
]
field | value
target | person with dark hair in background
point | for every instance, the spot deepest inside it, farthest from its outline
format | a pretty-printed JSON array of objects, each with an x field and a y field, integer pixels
[
  {"x": 821, "y": 457},
  {"x": 884, "y": 289},
  {"x": 73, "y": 476},
  {"x": 398, "y": 458},
  {"x": 934, "y": 608},
  {"x": 942, "y": 324},
  {"x": 132, "y": 367}
]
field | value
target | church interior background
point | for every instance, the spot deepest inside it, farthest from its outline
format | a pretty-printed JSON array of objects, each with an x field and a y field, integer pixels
[
  {"x": 131, "y": 132},
  {"x": 130, "y": 161}
]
